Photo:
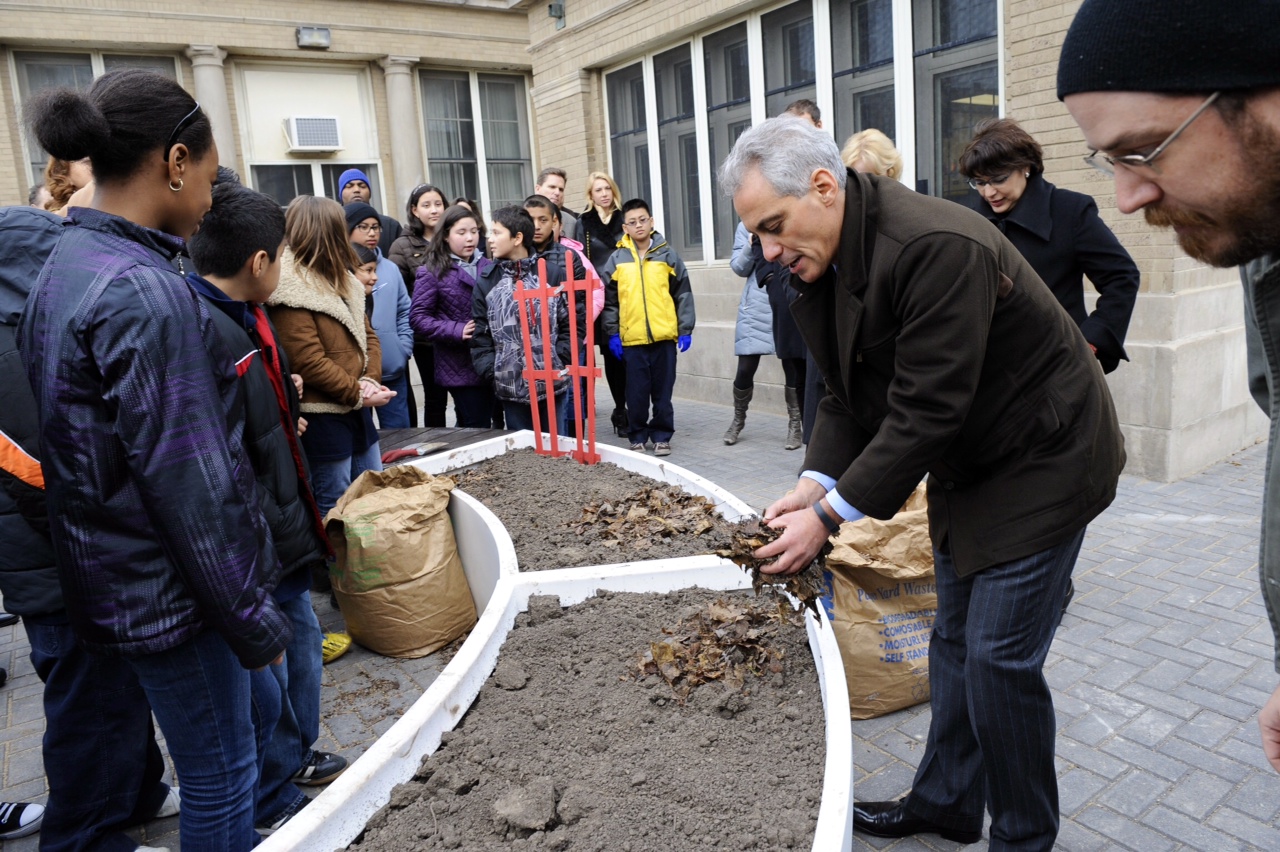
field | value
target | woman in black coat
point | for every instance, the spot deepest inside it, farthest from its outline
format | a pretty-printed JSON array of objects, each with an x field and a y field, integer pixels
[
  {"x": 600, "y": 229},
  {"x": 1058, "y": 231}
]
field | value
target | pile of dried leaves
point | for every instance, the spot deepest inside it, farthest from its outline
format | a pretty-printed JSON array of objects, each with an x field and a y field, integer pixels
[
  {"x": 725, "y": 641},
  {"x": 658, "y": 511},
  {"x": 664, "y": 511}
]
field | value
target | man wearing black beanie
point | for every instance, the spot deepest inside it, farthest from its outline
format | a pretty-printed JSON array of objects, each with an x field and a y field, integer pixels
[{"x": 1180, "y": 100}]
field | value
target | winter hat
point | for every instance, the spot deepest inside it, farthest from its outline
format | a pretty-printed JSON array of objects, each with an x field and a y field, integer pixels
[
  {"x": 356, "y": 212},
  {"x": 1170, "y": 46},
  {"x": 350, "y": 175}
]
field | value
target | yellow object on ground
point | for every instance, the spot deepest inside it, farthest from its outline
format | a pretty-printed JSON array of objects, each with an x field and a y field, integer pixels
[{"x": 334, "y": 646}]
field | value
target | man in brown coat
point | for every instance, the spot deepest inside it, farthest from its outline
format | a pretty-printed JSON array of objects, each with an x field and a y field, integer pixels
[{"x": 944, "y": 354}]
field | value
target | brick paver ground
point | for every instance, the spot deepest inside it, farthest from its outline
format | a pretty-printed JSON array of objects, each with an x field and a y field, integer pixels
[{"x": 1158, "y": 669}]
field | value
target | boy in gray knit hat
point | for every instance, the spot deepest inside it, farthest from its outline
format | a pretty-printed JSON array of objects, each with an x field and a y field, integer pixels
[{"x": 1180, "y": 100}]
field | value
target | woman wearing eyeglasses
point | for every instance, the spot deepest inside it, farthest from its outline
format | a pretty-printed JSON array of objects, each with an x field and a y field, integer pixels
[{"x": 1058, "y": 231}]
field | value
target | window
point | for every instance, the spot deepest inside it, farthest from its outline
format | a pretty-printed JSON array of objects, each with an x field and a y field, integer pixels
[
  {"x": 40, "y": 71},
  {"x": 628, "y": 132},
  {"x": 285, "y": 182},
  {"x": 694, "y": 99},
  {"x": 681, "y": 204},
  {"x": 495, "y": 167},
  {"x": 862, "y": 60},
  {"x": 957, "y": 86},
  {"x": 451, "y": 140},
  {"x": 728, "y": 114},
  {"x": 789, "y": 63},
  {"x": 504, "y": 116}
]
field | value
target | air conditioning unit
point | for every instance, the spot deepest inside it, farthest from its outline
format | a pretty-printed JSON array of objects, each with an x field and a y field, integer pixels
[{"x": 312, "y": 134}]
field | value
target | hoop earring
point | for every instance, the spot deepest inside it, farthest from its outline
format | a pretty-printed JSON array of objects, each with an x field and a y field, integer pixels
[{"x": 177, "y": 188}]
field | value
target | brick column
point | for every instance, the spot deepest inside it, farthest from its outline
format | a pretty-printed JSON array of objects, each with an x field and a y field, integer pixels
[
  {"x": 406, "y": 134},
  {"x": 211, "y": 92}
]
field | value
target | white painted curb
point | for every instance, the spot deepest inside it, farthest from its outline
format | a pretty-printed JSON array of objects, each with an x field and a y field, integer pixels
[{"x": 337, "y": 816}]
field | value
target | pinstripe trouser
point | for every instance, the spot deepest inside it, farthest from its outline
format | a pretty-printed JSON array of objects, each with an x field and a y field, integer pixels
[{"x": 991, "y": 737}]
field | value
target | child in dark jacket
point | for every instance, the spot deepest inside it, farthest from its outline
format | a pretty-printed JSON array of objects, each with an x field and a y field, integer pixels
[
  {"x": 648, "y": 312},
  {"x": 441, "y": 313},
  {"x": 237, "y": 252},
  {"x": 497, "y": 349}
]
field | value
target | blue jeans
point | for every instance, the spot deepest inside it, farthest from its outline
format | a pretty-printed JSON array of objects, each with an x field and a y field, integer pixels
[
  {"x": 202, "y": 699},
  {"x": 100, "y": 754},
  {"x": 298, "y": 684},
  {"x": 395, "y": 414},
  {"x": 651, "y": 375},
  {"x": 519, "y": 415},
  {"x": 330, "y": 479},
  {"x": 991, "y": 736}
]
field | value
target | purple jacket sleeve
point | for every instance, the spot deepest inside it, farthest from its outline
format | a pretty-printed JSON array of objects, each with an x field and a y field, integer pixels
[{"x": 426, "y": 313}]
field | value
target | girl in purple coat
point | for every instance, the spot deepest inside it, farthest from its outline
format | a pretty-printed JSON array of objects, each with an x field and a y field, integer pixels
[{"x": 441, "y": 312}]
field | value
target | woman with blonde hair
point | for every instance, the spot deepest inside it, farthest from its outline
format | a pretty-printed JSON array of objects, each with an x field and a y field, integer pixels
[
  {"x": 872, "y": 153},
  {"x": 320, "y": 319},
  {"x": 600, "y": 227}
]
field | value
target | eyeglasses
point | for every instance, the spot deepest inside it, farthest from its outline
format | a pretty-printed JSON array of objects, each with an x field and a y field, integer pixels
[
  {"x": 187, "y": 121},
  {"x": 1107, "y": 164},
  {"x": 636, "y": 223},
  {"x": 979, "y": 183},
  {"x": 369, "y": 227}
]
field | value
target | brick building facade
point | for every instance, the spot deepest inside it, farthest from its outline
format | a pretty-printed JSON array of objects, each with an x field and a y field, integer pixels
[{"x": 478, "y": 95}]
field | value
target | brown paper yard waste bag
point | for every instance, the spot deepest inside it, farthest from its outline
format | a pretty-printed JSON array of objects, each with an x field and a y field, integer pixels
[
  {"x": 398, "y": 577},
  {"x": 885, "y": 600}
]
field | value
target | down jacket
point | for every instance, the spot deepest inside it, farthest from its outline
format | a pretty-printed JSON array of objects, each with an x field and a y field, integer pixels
[
  {"x": 753, "y": 333},
  {"x": 497, "y": 351},
  {"x": 28, "y": 575},
  {"x": 152, "y": 501},
  {"x": 441, "y": 308},
  {"x": 390, "y": 320},
  {"x": 647, "y": 300},
  {"x": 327, "y": 335},
  {"x": 407, "y": 253}
]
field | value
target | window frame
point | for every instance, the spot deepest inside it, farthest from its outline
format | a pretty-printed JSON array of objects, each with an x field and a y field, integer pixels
[
  {"x": 97, "y": 67},
  {"x": 484, "y": 194},
  {"x": 901, "y": 76}
]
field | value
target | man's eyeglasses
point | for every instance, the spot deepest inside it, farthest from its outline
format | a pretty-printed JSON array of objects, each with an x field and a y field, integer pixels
[
  {"x": 979, "y": 183},
  {"x": 1107, "y": 164},
  {"x": 636, "y": 223},
  {"x": 369, "y": 227}
]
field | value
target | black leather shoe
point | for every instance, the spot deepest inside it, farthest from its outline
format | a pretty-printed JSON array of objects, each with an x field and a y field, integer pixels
[{"x": 891, "y": 819}]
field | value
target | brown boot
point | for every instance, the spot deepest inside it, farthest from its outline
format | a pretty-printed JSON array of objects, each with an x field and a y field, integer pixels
[
  {"x": 741, "y": 399},
  {"x": 795, "y": 428}
]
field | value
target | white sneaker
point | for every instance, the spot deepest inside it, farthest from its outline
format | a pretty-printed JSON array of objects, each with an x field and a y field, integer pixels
[
  {"x": 171, "y": 807},
  {"x": 152, "y": 849}
]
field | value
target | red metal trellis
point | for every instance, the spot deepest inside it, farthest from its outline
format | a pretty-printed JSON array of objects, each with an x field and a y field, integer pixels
[{"x": 585, "y": 408}]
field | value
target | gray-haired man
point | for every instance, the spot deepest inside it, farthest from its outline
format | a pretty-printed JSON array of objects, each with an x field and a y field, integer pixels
[
  {"x": 1180, "y": 100},
  {"x": 944, "y": 354}
]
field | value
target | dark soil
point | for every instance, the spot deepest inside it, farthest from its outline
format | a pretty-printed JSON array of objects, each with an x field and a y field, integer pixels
[
  {"x": 563, "y": 514},
  {"x": 570, "y": 745}
]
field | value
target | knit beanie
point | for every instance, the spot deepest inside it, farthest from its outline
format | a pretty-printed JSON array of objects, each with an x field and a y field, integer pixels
[
  {"x": 1174, "y": 46},
  {"x": 356, "y": 212},
  {"x": 350, "y": 175}
]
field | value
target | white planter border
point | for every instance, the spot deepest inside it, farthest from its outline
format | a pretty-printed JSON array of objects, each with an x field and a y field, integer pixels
[{"x": 338, "y": 815}]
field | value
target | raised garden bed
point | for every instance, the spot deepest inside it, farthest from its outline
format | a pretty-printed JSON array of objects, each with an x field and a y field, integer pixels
[
  {"x": 629, "y": 721},
  {"x": 340, "y": 813}
]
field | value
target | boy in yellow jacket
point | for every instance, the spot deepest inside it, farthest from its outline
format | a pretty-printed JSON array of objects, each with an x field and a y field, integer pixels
[{"x": 648, "y": 312}]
